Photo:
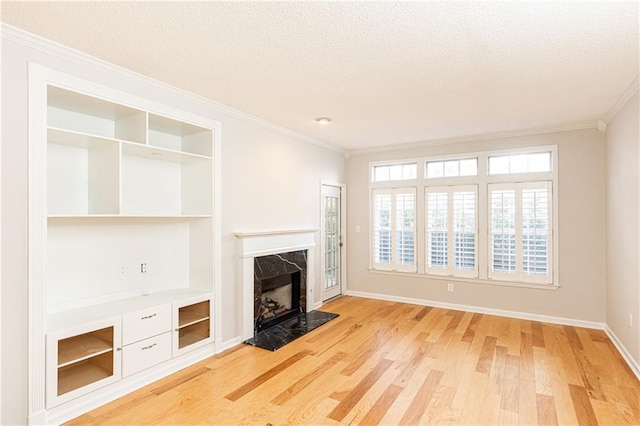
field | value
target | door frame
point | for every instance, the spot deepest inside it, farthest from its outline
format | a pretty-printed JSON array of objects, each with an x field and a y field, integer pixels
[{"x": 343, "y": 233}]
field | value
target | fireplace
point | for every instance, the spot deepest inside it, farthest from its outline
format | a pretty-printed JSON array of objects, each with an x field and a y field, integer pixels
[
  {"x": 266, "y": 255},
  {"x": 279, "y": 290}
]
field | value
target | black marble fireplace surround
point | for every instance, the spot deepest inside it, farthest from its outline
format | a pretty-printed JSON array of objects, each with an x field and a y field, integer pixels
[{"x": 276, "y": 271}]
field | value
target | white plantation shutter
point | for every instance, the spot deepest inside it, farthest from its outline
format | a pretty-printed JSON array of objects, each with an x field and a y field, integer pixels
[
  {"x": 394, "y": 229},
  {"x": 520, "y": 222},
  {"x": 451, "y": 230},
  {"x": 536, "y": 232},
  {"x": 503, "y": 230},
  {"x": 437, "y": 230},
  {"x": 464, "y": 231},
  {"x": 381, "y": 227}
]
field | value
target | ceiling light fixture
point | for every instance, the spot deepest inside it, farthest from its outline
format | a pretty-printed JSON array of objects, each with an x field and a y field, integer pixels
[{"x": 323, "y": 120}]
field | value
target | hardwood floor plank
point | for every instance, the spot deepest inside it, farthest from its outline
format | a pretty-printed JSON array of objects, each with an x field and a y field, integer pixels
[
  {"x": 537, "y": 335},
  {"x": 470, "y": 332},
  {"x": 341, "y": 410},
  {"x": 248, "y": 387},
  {"x": 486, "y": 357},
  {"x": 307, "y": 380},
  {"x": 423, "y": 312},
  {"x": 381, "y": 406},
  {"x": 546, "y": 410},
  {"x": 582, "y": 406},
  {"x": 405, "y": 363},
  {"x": 421, "y": 400}
]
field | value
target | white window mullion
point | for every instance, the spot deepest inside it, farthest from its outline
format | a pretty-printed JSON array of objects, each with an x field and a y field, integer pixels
[
  {"x": 519, "y": 234},
  {"x": 450, "y": 234}
]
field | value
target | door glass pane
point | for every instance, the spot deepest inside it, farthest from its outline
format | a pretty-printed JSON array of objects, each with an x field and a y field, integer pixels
[{"x": 332, "y": 241}]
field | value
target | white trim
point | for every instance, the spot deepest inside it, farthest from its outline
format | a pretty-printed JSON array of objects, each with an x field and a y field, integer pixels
[
  {"x": 623, "y": 99},
  {"x": 37, "y": 161},
  {"x": 466, "y": 280},
  {"x": 343, "y": 233},
  {"x": 66, "y": 53},
  {"x": 479, "y": 137},
  {"x": 481, "y": 310},
  {"x": 631, "y": 362},
  {"x": 228, "y": 344}
]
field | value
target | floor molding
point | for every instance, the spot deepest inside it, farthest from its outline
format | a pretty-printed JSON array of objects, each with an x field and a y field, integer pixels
[
  {"x": 631, "y": 362},
  {"x": 481, "y": 310},
  {"x": 228, "y": 344}
]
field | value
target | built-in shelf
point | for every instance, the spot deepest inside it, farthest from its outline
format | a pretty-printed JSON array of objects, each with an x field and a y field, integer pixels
[
  {"x": 79, "y": 375},
  {"x": 79, "y": 348},
  {"x": 193, "y": 323},
  {"x": 129, "y": 241}
]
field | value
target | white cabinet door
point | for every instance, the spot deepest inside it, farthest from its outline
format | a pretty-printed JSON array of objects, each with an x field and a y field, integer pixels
[
  {"x": 192, "y": 323},
  {"x": 82, "y": 359}
]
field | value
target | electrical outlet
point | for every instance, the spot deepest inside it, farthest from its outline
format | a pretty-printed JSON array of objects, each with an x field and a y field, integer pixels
[
  {"x": 123, "y": 270},
  {"x": 449, "y": 286},
  {"x": 143, "y": 268},
  {"x": 630, "y": 319}
]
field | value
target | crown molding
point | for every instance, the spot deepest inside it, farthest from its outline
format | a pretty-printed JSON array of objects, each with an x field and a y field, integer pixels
[
  {"x": 476, "y": 138},
  {"x": 623, "y": 99},
  {"x": 61, "y": 51}
]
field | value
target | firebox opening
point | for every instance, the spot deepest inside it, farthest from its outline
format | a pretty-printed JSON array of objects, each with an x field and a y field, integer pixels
[{"x": 279, "y": 301}]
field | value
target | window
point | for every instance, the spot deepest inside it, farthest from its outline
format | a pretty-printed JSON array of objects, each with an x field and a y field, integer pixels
[
  {"x": 484, "y": 217},
  {"x": 389, "y": 172},
  {"x": 520, "y": 243},
  {"x": 451, "y": 230},
  {"x": 520, "y": 163},
  {"x": 452, "y": 168},
  {"x": 393, "y": 231}
]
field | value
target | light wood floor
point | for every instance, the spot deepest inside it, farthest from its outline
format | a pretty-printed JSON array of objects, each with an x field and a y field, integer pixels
[{"x": 393, "y": 363}]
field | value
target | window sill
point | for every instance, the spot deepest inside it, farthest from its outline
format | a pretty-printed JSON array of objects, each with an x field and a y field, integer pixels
[{"x": 467, "y": 280}]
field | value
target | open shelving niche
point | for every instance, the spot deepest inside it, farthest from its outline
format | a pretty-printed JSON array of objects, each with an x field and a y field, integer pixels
[{"x": 124, "y": 186}]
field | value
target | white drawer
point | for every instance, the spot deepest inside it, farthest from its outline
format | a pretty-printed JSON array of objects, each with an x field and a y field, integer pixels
[
  {"x": 144, "y": 354},
  {"x": 145, "y": 323}
]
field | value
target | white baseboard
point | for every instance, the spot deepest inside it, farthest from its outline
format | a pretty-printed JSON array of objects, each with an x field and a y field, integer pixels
[
  {"x": 230, "y": 343},
  {"x": 631, "y": 362},
  {"x": 481, "y": 310}
]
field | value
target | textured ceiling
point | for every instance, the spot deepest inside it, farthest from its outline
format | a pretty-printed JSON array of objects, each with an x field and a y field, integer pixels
[{"x": 386, "y": 72}]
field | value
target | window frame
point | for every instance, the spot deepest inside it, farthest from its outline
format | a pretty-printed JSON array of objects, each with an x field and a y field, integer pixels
[
  {"x": 450, "y": 270},
  {"x": 519, "y": 275},
  {"x": 482, "y": 180},
  {"x": 393, "y": 265}
]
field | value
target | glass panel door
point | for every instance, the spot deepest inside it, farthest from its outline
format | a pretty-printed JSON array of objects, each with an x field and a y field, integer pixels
[{"x": 331, "y": 241}]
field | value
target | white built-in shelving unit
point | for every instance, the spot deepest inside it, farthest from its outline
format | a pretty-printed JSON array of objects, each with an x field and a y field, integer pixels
[{"x": 125, "y": 241}]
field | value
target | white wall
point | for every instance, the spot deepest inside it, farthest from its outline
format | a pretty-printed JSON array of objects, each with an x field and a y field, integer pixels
[
  {"x": 270, "y": 179},
  {"x": 581, "y": 228},
  {"x": 623, "y": 226}
]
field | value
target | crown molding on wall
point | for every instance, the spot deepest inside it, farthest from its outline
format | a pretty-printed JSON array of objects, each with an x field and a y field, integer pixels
[
  {"x": 61, "y": 51},
  {"x": 479, "y": 137},
  {"x": 623, "y": 99}
]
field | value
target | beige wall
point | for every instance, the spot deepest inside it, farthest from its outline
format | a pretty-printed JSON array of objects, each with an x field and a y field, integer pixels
[
  {"x": 623, "y": 226},
  {"x": 271, "y": 180},
  {"x": 581, "y": 228}
]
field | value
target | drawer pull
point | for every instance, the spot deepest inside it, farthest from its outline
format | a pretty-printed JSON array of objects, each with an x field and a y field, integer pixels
[
  {"x": 148, "y": 316},
  {"x": 148, "y": 347}
]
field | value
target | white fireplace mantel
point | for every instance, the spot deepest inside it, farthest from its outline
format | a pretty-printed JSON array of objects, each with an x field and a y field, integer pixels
[{"x": 255, "y": 244}]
